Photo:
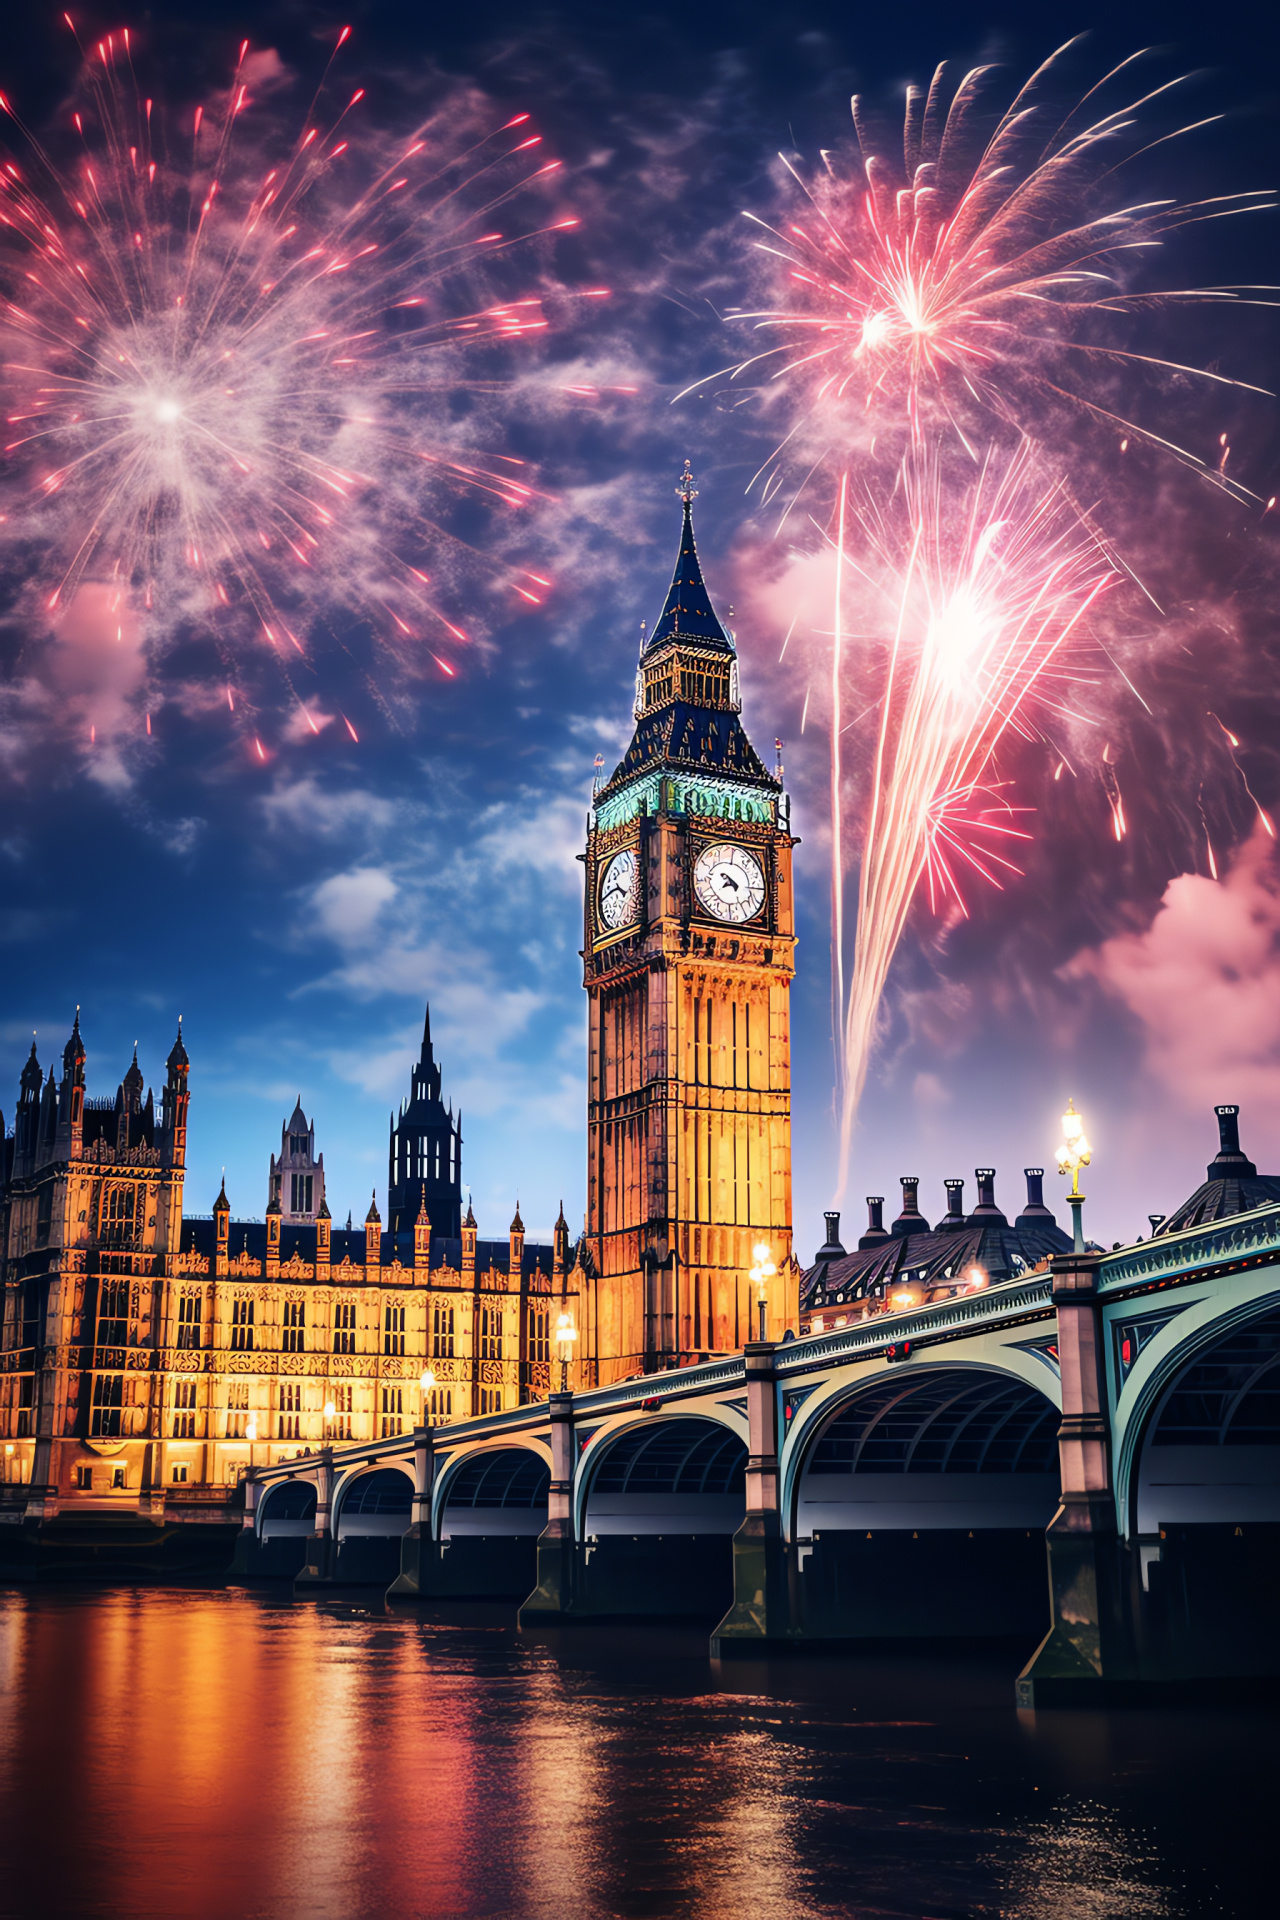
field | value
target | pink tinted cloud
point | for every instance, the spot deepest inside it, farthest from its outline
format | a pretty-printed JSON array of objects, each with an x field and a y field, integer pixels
[{"x": 1203, "y": 980}]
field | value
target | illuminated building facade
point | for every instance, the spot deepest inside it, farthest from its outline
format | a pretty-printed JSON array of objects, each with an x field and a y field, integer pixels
[{"x": 147, "y": 1359}]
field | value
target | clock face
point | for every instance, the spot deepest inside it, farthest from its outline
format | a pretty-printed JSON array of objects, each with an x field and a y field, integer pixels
[
  {"x": 620, "y": 890},
  {"x": 729, "y": 882}
]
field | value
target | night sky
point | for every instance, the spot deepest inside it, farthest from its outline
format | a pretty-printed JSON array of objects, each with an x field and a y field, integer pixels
[{"x": 299, "y": 905}]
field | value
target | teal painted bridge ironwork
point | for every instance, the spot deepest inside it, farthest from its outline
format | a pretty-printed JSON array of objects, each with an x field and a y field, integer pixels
[{"x": 1112, "y": 1422}]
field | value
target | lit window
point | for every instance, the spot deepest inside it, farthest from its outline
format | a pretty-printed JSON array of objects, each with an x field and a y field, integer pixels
[
  {"x": 295, "y": 1321},
  {"x": 84, "y": 1478},
  {"x": 242, "y": 1325},
  {"x": 189, "y": 1307},
  {"x": 442, "y": 1333},
  {"x": 491, "y": 1399},
  {"x": 392, "y": 1409},
  {"x": 344, "y": 1327},
  {"x": 180, "y": 1474},
  {"x": 491, "y": 1333},
  {"x": 108, "y": 1399},
  {"x": 184, "y": 1410},
  {"x": 393, "y": 1331},
  {"x": 291, "y": 1410}
]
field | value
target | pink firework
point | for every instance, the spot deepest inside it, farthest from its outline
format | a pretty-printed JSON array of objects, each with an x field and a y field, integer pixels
[
  {"x": 986, "y": 588},
  {"x": 976, "y": 276},
  {"x": 228, "y": 376}
]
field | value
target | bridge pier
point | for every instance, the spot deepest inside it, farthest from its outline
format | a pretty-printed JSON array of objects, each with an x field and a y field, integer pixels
[
  {"x": 1088, "y": 1649},
  {"x": 244, "y": 1555},
  {"x": 420, "y": 1575},
  {"x": 318, "y": 1567},
  {"x": 552, "y": 1600},
  {"x": 761, "y": 1612}
]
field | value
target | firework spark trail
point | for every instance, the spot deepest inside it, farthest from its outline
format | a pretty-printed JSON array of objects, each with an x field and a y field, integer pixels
[
  {"x": 969, "y": 283},
  {"x": 229, "y": 382},
  {"x": 974, "y": 291},
  {"x": 988, "y": 594}
]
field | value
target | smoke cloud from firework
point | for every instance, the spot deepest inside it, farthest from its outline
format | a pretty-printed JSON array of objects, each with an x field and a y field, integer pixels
[{"x": 240, "y": 368}]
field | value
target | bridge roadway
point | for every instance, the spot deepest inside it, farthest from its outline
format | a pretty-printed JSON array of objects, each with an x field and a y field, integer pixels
[{"x": 904, "y": 1478}]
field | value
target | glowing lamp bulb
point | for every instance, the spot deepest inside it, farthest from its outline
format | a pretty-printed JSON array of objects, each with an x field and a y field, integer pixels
[
  {"x": 329, "y": 1409},
  {"x": 763, "y": 1268},
  {"x": 1075, "y": 1151},
  {"x": 565, "y": 1335},
  {"x": 427, "y": 1381},
  {"x": 251, "y": 1431}
]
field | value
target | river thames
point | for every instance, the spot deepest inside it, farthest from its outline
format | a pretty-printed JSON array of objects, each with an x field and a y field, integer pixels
[{"x": 222, "y": 1753}]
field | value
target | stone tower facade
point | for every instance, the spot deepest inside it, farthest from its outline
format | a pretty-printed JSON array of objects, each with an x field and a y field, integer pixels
[
  {"x": 688, "y": 961},
  {"x": 424, "y": 1156},
  {"x": 295, "y": 1183}
]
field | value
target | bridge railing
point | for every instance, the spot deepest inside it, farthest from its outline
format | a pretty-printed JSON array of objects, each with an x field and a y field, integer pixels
[
  {"x": 1244, "y": 1236},
  {"x": 1008, "y": 1299}
]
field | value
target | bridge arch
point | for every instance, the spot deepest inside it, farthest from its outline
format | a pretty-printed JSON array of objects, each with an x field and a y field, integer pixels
[
  {"x": 658, "y": 1503},
  {"x": 371, "y": 1513},
  {"x": 920, "y": 1501},
  {"x": 493, "y": 1491},
  {"x": 1220, "y": 1313},
  {"x": 287, "y": 1509},
  {"x": 1204, "y": 1497}
]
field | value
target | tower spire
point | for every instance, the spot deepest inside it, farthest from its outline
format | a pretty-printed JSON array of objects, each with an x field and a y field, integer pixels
[{"x": 688, "y": 613}]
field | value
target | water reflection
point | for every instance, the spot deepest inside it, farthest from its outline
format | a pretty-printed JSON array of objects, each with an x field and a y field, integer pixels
[{"x": 201, "y": 1754}]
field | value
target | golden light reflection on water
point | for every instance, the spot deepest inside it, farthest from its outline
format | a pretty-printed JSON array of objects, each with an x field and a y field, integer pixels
[{"x": 219, "y": 1754}]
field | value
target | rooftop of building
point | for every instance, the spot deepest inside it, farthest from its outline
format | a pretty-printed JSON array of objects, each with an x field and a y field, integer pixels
[
  {"x": 348, "y": 1244},
  {"x": 962, "y": 1250}
]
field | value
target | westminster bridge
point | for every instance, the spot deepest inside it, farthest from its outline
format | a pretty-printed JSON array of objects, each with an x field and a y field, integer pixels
[{"x": 1113, "y": 1420}]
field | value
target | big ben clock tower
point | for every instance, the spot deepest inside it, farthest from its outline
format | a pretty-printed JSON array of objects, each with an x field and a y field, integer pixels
[{"x": 688, "y": 959}]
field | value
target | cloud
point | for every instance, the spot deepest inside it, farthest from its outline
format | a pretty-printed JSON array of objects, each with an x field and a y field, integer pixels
[
  {"x": 1203, "y": 981},
  {"x": 347, "y": 905}
]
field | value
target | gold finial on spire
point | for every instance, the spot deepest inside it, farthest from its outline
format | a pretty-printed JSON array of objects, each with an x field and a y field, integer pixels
[{"x": 685, "y": 488}]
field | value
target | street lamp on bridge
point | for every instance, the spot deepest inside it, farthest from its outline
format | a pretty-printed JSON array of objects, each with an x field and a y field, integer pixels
[
  {"x": 761, "y": 1274},
  {"x": 426, "y": 1383},
  {"x": 565, "y": 1336},
  {"x": 1074, "y": 1153}
]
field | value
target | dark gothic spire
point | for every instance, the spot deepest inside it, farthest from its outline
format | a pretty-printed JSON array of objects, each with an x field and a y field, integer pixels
[
  {"x": 73, "y": 1052},
  {"x": 32, "y": 1077},
  {"x": 131, "y": 1085},
  {"x": 178, "y": 1061},
  {"x": 688, "y": 613}
]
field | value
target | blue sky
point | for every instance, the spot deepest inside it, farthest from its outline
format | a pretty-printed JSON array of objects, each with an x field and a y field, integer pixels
[{"x": 299, "y": 910}]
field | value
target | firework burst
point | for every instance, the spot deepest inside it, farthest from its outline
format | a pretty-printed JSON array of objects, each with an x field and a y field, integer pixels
[
  {"x": 976, "y": 277},
  {"x": 231, "y": 367},
  {"x": 988, "y": 587}
]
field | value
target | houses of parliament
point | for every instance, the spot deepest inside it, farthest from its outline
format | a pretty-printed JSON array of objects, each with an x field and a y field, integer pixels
[{"x": 148, "y": 1357}]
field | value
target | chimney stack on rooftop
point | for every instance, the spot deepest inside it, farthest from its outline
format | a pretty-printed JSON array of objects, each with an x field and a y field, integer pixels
[
  {"x": 876, "y": 1233},
  {"x": 910, "y": 1220},
  {"x": 986, "y": 1213},
  {"x": 1035, "y": 1212},
  {"x": 831, "y": 1249},
  {"x": 953, "y": 1219},
  {"x": 1230, "y": 1163}
]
